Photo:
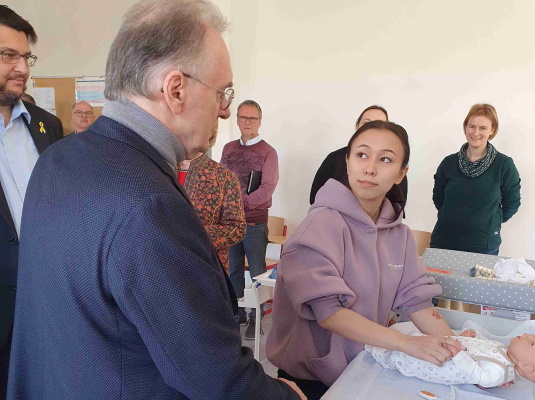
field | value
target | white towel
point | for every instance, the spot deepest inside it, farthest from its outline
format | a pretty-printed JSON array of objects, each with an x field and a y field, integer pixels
[{"x": 515, "y": 270}]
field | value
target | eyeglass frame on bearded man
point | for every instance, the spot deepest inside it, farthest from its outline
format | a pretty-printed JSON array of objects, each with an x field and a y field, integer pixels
[{"x": 14, "y": 57}]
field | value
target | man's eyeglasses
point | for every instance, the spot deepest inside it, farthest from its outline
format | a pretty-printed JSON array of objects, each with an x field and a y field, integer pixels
[
  {"x": 250, "y": 119},
  {"x": 82, "y": 113},
  {"x": 226, "y": 96},
  {"x": 11, "y": 57}
]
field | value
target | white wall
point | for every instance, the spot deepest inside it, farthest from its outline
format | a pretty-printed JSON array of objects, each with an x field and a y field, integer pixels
[{"x": 314, "y": 65}]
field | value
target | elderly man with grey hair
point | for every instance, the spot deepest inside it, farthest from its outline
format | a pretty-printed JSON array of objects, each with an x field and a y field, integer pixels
[{"x": 121, "y": 294}]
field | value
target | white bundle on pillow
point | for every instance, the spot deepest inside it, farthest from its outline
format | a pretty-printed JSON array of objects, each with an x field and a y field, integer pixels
[{"x": 515, "y": 270}]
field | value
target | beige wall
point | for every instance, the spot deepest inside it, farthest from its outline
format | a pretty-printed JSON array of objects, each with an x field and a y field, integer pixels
[{"x": 313, "y": 66}]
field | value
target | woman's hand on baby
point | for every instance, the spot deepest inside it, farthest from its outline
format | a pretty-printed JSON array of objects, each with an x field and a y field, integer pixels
[
  {"x": 434, "y": 349},
  {"x": 469, "y": 333},
  {"x": 453, "y": 349}
]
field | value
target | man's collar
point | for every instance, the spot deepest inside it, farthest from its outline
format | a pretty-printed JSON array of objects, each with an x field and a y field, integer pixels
[
  {"x": 251, "y": 142},
  {"x": 149, "y": 128},
  {"x": 18, "y": 110}
]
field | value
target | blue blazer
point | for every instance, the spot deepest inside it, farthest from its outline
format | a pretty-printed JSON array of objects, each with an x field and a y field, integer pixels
[
  {"x": 9, "y": 241},
  {"x": 120, "y": 291}
]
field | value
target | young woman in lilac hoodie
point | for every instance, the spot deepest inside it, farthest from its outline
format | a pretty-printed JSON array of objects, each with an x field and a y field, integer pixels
[{"x": 348, "y": 264}]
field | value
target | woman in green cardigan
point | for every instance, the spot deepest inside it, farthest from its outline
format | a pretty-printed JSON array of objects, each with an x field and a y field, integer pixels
[{"x": 475, "y": 189}]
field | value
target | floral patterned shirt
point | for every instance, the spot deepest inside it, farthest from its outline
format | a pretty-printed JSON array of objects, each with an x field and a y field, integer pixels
[{"x": 216, "y": 196}]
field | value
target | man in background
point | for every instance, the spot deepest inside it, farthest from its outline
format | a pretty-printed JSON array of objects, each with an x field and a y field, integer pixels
[
  {"x": 25, "y": 131},
  {"x": 246, "y": 157},
  {"x": 122, "y": 295},
  {"x": 82, "y": 116}
]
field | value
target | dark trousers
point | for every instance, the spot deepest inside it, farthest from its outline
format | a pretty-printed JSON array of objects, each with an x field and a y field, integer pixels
[
  {"x": 5, "y": 350},
  {"x": 313, "y": 390}
]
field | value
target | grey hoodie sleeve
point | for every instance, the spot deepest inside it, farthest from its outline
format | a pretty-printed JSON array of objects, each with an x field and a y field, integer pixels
[{"x": 416, "y": 289}]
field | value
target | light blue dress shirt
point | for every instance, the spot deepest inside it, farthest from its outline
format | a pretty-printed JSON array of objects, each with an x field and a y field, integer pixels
[{"x": 18, "y": 156}]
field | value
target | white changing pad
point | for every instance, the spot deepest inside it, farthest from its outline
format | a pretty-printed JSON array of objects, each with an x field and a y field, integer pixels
[{"x": 364, "y": 379}]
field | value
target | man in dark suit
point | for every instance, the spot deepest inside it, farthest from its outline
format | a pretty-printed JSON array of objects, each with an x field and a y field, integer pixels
[
  {"x": 25, "y": 131},
  {"x": 121, "y": 294}
]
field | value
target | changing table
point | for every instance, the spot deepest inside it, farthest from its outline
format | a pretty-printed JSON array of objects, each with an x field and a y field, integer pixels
[{"x": 460, "y": 286}]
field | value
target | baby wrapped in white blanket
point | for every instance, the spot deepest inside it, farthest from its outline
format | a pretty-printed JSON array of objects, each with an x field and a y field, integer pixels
[{"x": 486, "y": 362}]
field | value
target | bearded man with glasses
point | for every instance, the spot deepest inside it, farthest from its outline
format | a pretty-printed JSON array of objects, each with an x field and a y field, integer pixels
[{"x": 25, "y": 131}]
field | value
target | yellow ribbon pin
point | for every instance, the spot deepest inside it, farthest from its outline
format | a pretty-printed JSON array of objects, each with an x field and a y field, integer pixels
[{"x": 42, "y": 129}]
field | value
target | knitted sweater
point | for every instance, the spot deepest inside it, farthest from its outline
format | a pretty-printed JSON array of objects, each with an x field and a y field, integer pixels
[
  {"x": 258, "y": 157},
  {"x": 471, "y": 210}
]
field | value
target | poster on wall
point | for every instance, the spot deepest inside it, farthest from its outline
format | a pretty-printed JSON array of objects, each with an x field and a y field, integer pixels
[
  {"x": 90, "y": 89},
  {"x": 45, "y": 97}
]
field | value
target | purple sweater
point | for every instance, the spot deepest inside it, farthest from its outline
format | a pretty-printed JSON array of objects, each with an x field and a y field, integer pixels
[
  {"x": 258, "y": 157},
  {"x": 338, "y": 258}
]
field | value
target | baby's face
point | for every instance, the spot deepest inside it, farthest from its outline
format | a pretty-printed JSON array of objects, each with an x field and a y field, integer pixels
[{"x": 522, "y": 349}]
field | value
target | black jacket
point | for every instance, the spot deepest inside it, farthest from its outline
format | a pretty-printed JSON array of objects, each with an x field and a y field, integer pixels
[{"x": 9, "y": 241}]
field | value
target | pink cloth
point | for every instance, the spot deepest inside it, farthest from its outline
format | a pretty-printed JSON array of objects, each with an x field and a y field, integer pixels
[{"x": 338, "y": 258}]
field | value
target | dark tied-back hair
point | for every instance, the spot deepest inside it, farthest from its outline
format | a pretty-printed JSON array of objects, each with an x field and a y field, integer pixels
[
  {"x": 374, "y": 107},
  {"x": 12, "y": 20},
  {"x": 395, "y": 195}
]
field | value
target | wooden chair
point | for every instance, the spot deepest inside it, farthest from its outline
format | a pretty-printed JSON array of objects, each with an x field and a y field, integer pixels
[
  {"x": 276, "y": 226},
  {"x": 423, "y": 240},
  {"x": 276, "y": 235}
]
